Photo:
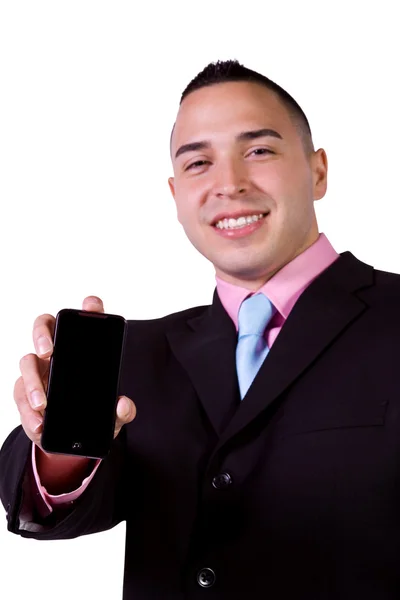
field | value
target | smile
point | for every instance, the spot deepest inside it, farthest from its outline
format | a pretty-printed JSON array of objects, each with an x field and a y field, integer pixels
[{"x": 240, "y": 222}]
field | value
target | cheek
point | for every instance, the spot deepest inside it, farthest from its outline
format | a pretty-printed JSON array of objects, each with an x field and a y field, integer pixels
[
  {"x": 188, "y": 203},
  {"x": 287, "y": 186},
  {"x": 272, "y": 179},
  {"x": 184, "y": 211}
]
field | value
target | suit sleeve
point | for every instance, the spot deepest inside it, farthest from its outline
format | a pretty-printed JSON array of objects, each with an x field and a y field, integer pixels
[{"x": 100, "y": 507}]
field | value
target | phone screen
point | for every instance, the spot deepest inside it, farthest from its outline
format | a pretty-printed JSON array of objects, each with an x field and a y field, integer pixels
[{"x": 82, "y": 391}]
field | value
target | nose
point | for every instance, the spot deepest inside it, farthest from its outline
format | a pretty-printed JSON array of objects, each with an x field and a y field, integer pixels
[{"x": 230, "y": 179}]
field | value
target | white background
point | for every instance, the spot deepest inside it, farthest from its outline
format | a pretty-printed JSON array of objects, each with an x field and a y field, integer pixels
[{"x": 89, "y": 91}]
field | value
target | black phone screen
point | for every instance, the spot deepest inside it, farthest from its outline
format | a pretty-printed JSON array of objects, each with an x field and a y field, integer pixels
[{"x": 82, "y": 391}]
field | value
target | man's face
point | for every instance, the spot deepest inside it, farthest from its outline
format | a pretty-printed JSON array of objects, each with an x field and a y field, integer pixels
[{"x": 231, "y": 177}]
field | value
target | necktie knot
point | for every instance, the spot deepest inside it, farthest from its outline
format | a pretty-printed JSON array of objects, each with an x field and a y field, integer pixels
[{"x": 254, "y": 315}]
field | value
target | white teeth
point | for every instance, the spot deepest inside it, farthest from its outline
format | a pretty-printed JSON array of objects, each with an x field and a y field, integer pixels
[{"x": 237, "y": 223}]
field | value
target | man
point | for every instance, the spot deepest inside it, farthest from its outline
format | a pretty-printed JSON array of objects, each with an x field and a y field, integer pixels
[{"x": 248, "y": 462}]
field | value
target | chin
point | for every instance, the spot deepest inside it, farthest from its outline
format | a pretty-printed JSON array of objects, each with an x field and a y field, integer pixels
[{"x": 244, "y": 272}]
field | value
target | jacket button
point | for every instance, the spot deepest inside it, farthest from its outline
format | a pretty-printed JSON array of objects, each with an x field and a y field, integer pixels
[
  {"x": 221, "y": 481},
  {"x": 206, "y": 577}
]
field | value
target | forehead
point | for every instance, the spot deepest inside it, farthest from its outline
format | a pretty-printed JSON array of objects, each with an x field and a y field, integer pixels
[{"x": 226, "y": 108}]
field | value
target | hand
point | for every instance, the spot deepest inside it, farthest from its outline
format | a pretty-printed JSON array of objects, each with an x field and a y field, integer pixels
[{"x": 29, "y": 389}]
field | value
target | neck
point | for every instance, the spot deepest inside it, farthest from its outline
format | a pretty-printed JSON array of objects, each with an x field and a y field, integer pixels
[{"x": 255, "y": 284}]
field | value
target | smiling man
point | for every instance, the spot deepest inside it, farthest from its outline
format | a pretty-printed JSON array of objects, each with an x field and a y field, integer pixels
[
  {"x": 257, "y": 445},
  {"x": 245, "y": 179}
]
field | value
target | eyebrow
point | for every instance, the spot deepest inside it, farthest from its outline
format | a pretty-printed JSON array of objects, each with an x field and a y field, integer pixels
[{"x": 241, "y": 137}]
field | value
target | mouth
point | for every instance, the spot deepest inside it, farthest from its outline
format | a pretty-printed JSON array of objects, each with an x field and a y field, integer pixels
[{"x": 230, "y": 223}]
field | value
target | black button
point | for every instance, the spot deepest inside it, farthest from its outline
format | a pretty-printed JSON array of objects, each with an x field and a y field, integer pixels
[
  {"x": 222, "y": 481},
  {"x": 206, "y": 577}
]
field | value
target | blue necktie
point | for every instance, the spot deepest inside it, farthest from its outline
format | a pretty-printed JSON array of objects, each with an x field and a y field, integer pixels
[{"x": 254, "y": 315}]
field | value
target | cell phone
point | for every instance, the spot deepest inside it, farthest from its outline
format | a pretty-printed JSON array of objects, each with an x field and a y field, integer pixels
[{"x": 82, "y": 390}]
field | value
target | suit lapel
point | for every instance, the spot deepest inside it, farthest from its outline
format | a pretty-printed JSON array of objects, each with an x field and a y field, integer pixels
[{"x": 206, "y": 346}]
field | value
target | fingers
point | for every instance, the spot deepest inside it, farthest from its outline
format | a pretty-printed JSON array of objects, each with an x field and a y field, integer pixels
[
  {"x": 126, "y": 412},
  {"x": 32, "y": 375},
  {"x": 43, "y": 332},
  {"x": 31, "y": 419},
  {"x": 93, "y": 304}
]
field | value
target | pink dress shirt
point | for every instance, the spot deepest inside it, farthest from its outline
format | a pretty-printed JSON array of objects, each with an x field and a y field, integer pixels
[{"x": 283, "y": 289}]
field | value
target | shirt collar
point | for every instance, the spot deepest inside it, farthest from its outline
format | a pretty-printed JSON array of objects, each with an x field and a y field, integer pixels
[{"x": 285, "y": 287}]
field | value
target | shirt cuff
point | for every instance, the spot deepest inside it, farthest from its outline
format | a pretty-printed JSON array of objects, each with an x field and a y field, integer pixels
[{"x": 51, "y": 500}]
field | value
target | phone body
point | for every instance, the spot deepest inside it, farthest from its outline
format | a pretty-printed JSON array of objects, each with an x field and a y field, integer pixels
[{"x": 82, "y": 389}]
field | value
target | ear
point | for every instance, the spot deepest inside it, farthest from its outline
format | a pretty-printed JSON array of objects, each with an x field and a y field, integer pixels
[
  {"x": 172, "y": 186},
  {"x": 320, "y": 173}
]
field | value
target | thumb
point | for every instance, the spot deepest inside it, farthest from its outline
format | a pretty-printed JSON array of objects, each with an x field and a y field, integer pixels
[{"x": 126, "y": 410}]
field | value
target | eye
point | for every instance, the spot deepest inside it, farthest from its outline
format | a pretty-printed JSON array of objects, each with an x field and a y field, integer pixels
[
  {"x": 197, "y": 163},
  {"x": 262, "y": 151}
]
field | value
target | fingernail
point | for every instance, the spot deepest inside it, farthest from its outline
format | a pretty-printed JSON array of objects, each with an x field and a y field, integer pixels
[
  {"x": 93, "y": 300},
  {"x": 37, "y": 399},
  {"x": 44, "y": 344}
]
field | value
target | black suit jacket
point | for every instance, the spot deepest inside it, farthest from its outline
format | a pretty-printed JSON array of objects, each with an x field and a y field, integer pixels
[{"x": 292, "y": 493}]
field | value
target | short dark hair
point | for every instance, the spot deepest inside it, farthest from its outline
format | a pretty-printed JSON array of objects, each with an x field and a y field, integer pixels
[{"x": 232, "y": 70}]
